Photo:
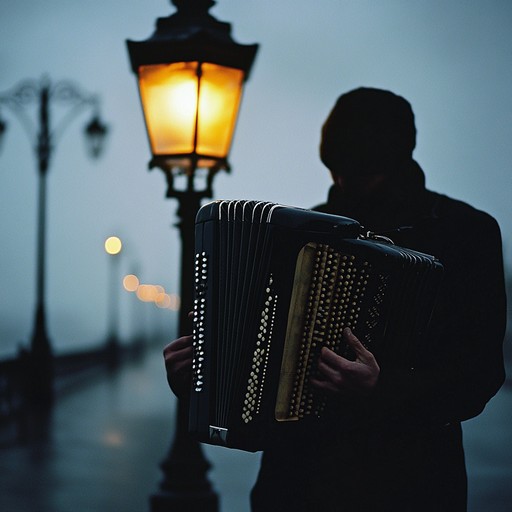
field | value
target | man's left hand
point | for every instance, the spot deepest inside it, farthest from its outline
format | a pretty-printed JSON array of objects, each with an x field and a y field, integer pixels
[{"x": 340, "y": 376}]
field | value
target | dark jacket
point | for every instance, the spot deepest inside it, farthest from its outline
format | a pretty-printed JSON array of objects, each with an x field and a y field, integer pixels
[{"x": 401, "y": 448}]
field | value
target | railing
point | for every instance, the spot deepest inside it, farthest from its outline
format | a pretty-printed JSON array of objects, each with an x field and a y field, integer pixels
[
  {"x": 11, "y": 387},
  {"x": 69, "y": 370}
]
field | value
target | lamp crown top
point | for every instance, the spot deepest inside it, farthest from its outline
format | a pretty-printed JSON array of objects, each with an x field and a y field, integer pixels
[
  {"x": 191, "y": 17},
  {"x": 191, "y": 34},
  {"x": 193, "y": 5}
]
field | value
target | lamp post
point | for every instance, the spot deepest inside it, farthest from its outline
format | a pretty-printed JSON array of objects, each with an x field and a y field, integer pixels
[
  {"x": 43, "y": 137},
  {"x": 190, "y": 74},
  {"x": 113, "y": 247}
]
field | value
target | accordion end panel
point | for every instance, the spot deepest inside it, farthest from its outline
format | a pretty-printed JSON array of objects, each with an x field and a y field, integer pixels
[
  {"x": 202, "y": 353},
  {"x": 287, "y": 389}
]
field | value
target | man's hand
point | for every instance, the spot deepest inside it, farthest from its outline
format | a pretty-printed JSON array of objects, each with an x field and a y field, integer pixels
[
  {"x": 341, "y": 376},
  {"x": 178, "y": 365}
]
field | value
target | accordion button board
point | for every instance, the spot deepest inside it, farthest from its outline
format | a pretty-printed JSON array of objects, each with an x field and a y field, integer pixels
[{"x": 273, "y": 285}]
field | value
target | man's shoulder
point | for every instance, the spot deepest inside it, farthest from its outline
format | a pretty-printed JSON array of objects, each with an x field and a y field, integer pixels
[
  {"x": 323, "y": 208},
  {"x": 448, "y": 207},
  {"x": 460, "y": 215}
]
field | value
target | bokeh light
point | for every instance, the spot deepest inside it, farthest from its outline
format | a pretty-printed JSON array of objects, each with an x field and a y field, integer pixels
[
  {"x": 113, "y": 245},
  {"x": 174, "y": 304},
  {"x": 154, "y": 293},
  {"x": 163, "y": 300},
  {"x": 147, "y": 292},
  {"x": 130, "y": 282}
]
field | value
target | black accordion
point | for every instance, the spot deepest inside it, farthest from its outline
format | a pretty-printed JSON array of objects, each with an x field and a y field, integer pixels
[{"x": 273, "y": 285}]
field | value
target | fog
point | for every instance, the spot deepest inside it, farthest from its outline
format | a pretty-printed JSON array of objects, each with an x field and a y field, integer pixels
[{"x": 451, "y": 60}]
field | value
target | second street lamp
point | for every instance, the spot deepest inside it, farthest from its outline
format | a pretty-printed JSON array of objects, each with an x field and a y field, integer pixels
[
  {"x": 190, "y": 74},
  {"x": 44, "y": 135}
]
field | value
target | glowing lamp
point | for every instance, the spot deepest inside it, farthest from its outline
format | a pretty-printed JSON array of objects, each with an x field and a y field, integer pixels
[{"x": 190, "y": 75}]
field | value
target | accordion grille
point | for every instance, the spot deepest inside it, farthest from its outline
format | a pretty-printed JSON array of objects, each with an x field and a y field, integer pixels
[
  {"x": 259, "y": 363},
  {"x": 201, "y": 279},
  {"x": 328, "y": 292}
]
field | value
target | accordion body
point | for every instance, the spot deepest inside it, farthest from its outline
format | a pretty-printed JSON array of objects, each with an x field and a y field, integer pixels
[{"x": 273, "y": 285}]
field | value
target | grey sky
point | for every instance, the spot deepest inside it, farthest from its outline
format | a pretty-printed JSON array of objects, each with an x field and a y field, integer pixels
[{"x": 451, "y": 60}]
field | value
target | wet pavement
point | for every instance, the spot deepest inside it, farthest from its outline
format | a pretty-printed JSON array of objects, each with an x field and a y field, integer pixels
[
  {"x": 100, "y": 448},
  {"x": 488, "y": 446}
]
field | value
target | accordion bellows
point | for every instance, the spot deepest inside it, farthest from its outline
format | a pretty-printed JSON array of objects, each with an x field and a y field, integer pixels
[{"x": 273, "y": 285}]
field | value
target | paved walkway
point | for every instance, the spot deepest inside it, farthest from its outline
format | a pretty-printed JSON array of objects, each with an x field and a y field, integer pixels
[
  {"x": 102, "y": 444},
  {"x": 100, "y": 449}
]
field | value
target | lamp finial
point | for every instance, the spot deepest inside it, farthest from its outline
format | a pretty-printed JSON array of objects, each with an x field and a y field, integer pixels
[{"x": 193, "y": 5}]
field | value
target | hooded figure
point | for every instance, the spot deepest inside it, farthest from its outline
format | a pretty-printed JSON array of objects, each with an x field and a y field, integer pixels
[
  {"x": 368, "y": 131},
  {"x": 398, "y": 447}
]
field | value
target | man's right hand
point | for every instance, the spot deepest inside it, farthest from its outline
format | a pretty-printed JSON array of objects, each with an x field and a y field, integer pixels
[{"x": 178, "y": 365}]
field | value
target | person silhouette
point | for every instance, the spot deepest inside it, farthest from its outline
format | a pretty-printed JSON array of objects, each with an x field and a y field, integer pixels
[{"x": 394, "y": 440}]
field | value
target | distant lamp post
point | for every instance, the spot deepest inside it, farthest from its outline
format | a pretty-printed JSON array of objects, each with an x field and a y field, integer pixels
[
  {"x": 44, "y": 136},
  {"x": 113, "y": 247},
  {"x": 3, "y": 128},
  {"x": 190, "y": 75}
]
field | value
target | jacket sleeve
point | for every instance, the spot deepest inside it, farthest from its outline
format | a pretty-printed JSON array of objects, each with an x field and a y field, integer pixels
[{"x": 463, "y": 367}]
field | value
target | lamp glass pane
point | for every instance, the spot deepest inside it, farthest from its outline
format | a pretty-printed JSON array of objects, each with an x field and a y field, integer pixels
[
  {"x": 219, "y": 100},
  {"x": 169, "y": 100}
]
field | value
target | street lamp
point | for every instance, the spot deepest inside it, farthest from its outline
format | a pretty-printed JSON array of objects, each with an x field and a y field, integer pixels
[
  {"x": 113, "y": 247},
  {"x": 190, "y": 75},
  {"x": 43, "y": 136}
]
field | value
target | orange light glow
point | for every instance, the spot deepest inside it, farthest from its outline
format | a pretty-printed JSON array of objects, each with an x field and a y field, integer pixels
[
  {"x": 221, "y": 91},
  {"x": 130, "y": 282},
  {"x": 147, "y": 292},
  {"x": 163, "y": 300},
  {"x": 171, "y": 95},
  {"x": 175, "y": 301},
  {"x": 113, "y": 438}
]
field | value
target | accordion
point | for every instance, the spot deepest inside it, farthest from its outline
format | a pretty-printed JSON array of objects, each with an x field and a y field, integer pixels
[{"x": 273, "y": 285}]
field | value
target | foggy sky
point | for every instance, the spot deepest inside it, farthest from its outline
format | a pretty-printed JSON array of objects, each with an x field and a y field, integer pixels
[{"x": 451, "y": 60}]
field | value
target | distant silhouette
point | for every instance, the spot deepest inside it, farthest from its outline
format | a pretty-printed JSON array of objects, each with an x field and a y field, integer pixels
[{"x": 394, "y": 442}]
